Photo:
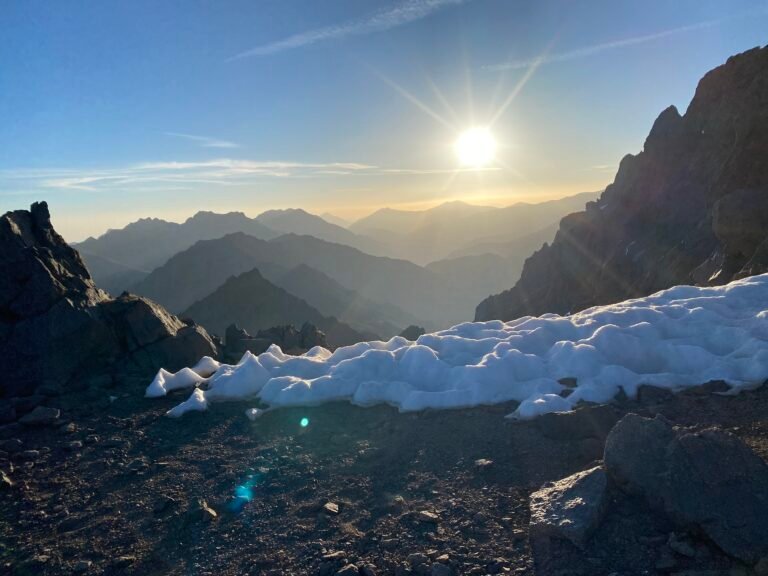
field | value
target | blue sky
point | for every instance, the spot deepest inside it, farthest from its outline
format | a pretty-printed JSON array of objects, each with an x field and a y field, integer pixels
[{"x": 113, "y": 110}]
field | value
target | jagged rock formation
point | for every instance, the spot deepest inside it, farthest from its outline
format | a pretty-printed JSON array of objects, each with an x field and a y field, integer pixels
[
  {"x": 291, "y": 341},
  {"x": 56, "y": 326},
  {"x": 690, "y": 208}
]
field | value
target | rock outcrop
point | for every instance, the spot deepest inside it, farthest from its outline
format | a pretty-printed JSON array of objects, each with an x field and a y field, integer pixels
[
  {"x": 57, "y": 327},
  {"x": 704, "y": 492},
  {"x": 691, "y": 208}
]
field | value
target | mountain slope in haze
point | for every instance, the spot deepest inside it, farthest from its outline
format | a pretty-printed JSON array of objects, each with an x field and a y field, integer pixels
[
  {"x": 298, "y": 221},
  {"x": 109, "y": 275},
  {"x": 435, "y": 234},
  {"x": 333, "y": 219},
  {"x": 199, "y": 270},
  {"x": 254, "y": 303},
  {"x": 148, "y": 243},
  {"x": 692, "y": 207},
  {"x": 332, "y": 299}
]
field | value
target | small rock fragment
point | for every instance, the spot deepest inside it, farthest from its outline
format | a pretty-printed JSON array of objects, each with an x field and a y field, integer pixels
[{"x": 331, "y": 508}]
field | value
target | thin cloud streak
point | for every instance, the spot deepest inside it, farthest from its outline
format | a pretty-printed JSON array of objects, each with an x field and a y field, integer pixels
[
  {"x": 204, "y": 141},
  {"x": 598, "y": 48},
  {"x": 404, "y": 13},
  {"x": 162, "y": 176}
]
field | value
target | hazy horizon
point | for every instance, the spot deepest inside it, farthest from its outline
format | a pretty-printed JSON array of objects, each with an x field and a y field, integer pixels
[{"x": 128, "y": 110}]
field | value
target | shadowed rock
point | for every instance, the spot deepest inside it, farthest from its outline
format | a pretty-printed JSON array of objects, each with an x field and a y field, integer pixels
[{"x": 56, "y": 326}]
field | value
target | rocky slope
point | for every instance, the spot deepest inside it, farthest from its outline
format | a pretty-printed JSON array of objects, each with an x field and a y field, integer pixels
[
  {"x": 57, "y": 329},
  {"x": 692, "y": 207}
]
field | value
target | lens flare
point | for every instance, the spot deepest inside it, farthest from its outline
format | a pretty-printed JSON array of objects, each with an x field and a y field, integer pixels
[{"x": 304, "y": 422}]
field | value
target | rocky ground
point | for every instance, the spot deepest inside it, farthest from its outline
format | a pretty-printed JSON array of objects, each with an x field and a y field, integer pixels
[{"x": 114, "y": 487}]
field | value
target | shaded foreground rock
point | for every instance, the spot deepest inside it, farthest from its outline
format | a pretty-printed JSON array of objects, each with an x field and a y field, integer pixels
[
  {"x": 707, "y": 484},
  {"x": 569, "y": 509},
  {"x": 57, "y": 327}
]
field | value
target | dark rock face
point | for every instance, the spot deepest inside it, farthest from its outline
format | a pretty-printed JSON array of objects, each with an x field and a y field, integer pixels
[
  {"x": 290, "y": 340},
  {"x": 708, "y": 480},
  {"x": 56, "y": 326},
  {"x": 689, "y": 208},
  {"x": 412, "y": 332}
]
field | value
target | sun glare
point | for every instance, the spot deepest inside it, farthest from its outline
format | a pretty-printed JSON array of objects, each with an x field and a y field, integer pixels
[{"x": 475, "y": 147}]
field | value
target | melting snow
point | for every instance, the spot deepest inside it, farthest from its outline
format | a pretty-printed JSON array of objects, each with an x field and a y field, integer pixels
[{"x": 681, "y": 337}]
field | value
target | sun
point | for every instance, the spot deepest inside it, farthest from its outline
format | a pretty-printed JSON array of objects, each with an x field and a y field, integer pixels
[{"x": 475, "y": 147}]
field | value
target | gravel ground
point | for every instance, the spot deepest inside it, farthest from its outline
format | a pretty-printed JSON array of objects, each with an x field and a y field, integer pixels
[{"x": 117, "y": 488}]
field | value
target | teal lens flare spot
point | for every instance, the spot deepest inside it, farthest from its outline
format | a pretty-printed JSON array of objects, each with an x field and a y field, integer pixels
[{"x": 304, "y": 422}]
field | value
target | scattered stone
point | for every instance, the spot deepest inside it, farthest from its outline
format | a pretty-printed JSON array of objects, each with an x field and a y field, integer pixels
[
  {"x": 91, "y": 439},
  {"x": 427, "y": 517},
  {"x": 12, "y": 445},
  {"x": 390, "y": 543},
  {"x": 331, "y": 508},
  {"x": 370, "y": 570},
  {"x": 416, "y": 558},
  {"x": 74, "y": 445},
  {"x": 30, "y": 454},
  {"x": 41, "y": 416},
  {"x": 483, "y": 463},
  {"x": 348, "y": 570},
  {"x": 5, "y": 481},
  {"x": 163, "y": 503},
  {"x": 124, "y": 561},
  {"x": 570, "y": 508},
  {"x": 82, "y": 566},
  {"x": 439, "y": 569},
  {"x": 202, "y": 513}
]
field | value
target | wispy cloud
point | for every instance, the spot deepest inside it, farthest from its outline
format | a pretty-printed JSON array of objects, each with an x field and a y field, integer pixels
[
  {"x": 204, "y": 141},
  {"x": 183, "y": 175},
  {"x": 403, "y": 13},
  {"x": 598, "y": 48}
]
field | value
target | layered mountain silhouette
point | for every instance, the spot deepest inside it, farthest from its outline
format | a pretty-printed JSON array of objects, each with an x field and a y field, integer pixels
[
  {"x": 254, "y": 303},
  {"x": 332, "y": 299},
  {"x": 453, "y": 228},
  {"x": 196, "y": 272},
  {"x": 121, "y": 257},
  {"x": 692, "y": 207}
]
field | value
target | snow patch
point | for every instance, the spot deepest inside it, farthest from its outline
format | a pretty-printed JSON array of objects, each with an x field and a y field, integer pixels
[{"x": 677, "y": 338}]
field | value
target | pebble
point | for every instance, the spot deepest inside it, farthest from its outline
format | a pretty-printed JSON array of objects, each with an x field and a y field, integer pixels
[
  {"x": 427, "y": 516},
  {"x": 483, "y": 463},
  {"x": 368, "y": 570},
  {"x": 82, "y": 566},
  {"x": 440, "y": 570},
  {"x": 74, "y": 445},
  {"x": 416, "y": 558},
  {"x": 348, "y": 570},
  {"x": 5, "y": 481},
  {"x": 331, "y": 508}
]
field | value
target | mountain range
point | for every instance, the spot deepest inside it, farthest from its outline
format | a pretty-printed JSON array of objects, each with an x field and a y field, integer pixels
[
  {"x": 458, "y": 228},
  {"x": 690, "y": 208}
]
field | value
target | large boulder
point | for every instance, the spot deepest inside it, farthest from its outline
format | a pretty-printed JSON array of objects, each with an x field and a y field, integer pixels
[
  {"x": 716, "y": 483},
  {"x": 708, "y": 481},
  {"x": 56, "y": 326},
  {"x": 636, "y": 455}
]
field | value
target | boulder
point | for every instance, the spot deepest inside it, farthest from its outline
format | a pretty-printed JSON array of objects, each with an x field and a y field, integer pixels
[
  {"x": 708, "y": 481},
  {"x": 716, "y": 483},
  {"x": 569, "y": 509},
  {"x": 41, "y": 416}
]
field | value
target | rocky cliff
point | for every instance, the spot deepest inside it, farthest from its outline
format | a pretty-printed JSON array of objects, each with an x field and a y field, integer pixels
[
  {"x": 691, "y": 208},
  {"x": 58, "y": 328}
]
